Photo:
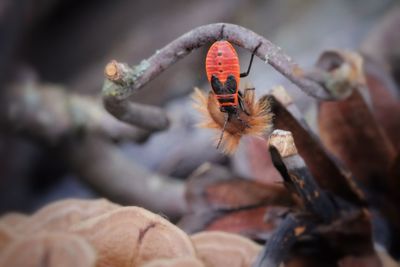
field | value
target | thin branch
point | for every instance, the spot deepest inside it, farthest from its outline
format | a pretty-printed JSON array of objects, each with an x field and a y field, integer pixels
[
  {"x": 49, "y": 113},
  {"x": 122, "y": 81}
]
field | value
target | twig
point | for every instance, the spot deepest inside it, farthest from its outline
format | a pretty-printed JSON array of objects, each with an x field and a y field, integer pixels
[
  {"x": 49, "y": 113},
  {"x": 122, "y": 81}
]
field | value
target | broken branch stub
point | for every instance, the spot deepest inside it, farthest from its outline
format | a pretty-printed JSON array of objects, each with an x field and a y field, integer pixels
[
  {"x": 297, "y": 176},
  {"x": 318, "y": 207}
]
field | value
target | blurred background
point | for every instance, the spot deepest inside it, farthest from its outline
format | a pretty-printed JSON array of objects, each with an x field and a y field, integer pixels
[{"x": 56, "y": 141}]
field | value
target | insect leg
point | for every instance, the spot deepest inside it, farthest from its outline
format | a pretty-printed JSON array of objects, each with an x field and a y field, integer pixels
[
  {"x": 241, "y": 103},
  {"x": 227, "y": 115},
  {"x": 246, "y": 125},
  {"x": 248, "y": 89},
  {"x": 244, "y": 74}
]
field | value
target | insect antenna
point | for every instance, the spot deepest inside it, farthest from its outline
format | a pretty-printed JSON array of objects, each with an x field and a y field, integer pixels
[{"x": 223, "y": 130}]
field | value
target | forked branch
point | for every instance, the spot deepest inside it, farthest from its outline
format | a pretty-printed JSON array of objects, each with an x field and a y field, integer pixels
[{"x": 122, "y": 81}]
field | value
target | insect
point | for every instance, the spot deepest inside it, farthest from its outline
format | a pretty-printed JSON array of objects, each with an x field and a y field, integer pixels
[{"x": 223, "y": 72}]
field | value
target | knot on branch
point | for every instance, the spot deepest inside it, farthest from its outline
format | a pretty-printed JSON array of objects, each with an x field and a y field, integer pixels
[{"x": 120, "y": 78}]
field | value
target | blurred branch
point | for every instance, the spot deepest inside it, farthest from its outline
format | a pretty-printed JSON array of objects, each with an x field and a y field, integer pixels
[
  {"x": 50, "y": 113},
  {"x": 108, "y": 170},
  {"x": 122, "y": 81}
]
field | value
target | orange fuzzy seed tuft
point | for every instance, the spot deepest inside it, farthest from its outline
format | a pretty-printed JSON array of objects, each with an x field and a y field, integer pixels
[{"x": 259, "y": 118}]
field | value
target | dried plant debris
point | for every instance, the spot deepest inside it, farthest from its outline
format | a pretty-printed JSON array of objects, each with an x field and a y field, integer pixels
[
  {"x": 220, "y": 200},
  {"x": 256, "y": 120}
]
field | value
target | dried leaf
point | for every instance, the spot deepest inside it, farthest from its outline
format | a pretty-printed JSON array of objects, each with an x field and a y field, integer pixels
[{"x": 350, "y": 131}]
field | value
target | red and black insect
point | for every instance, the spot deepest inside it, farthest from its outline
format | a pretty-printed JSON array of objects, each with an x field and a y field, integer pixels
[{"x": 223, "y": 72}]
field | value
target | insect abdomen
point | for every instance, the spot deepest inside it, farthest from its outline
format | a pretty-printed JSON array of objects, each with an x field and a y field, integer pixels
[{"x": 222, "y": 61}]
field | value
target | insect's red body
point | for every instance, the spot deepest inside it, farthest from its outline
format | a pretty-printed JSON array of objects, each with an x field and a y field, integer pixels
[
  {"x": 223, "y": 72},
  {"x": 222, "y": 60}
]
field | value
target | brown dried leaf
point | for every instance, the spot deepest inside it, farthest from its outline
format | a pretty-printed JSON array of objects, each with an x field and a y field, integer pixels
[
  {"x": 350, "y": 131},
  {"x": 50, "y": 249},
  {"x": 385, "y": 100},
  {"x": 131, "y": 236},
  {"x": 214, "y": 187},
  {"x": 224, "y": 249},
  {"x": 248, "y": 222},
  {"x": 219, "y": 200}
]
